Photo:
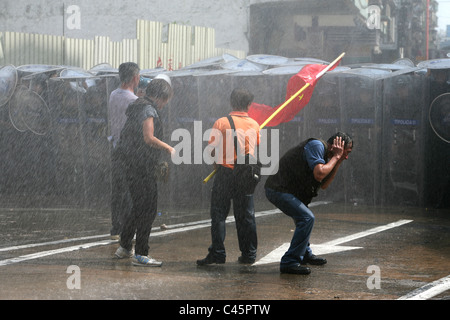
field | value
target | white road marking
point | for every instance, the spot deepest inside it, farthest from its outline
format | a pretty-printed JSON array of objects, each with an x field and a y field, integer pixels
[
  {"x": 182, "y": 227},
  {"x": 320, "y": 249},
  {"x": 330, "y": 246},
  {"x": 171, "y": 230},
  {"x": 428, "y": 291},
  {"x": 56, "y": 251},
  {"x": 368, "y": 232},
  {"x": 33, "y": 245}
]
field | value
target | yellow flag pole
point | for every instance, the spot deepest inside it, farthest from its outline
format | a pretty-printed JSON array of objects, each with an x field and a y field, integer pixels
[
  {"x": 268, "y": 120},
  {"x": 285, "y": 104},
  {"x": 331, "y": 65}
]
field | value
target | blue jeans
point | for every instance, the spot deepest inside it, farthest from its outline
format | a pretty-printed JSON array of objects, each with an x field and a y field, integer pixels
[
  {"x": 304, "y": 222},
  {"x": 223, "y": 193}
]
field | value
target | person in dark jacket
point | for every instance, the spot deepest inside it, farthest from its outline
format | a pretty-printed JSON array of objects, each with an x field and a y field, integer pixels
[
  {"x": 303, "y": 170},
  {"x": 141, "y": 147}
]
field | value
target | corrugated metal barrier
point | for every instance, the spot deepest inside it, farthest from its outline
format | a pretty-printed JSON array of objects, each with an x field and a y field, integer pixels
[{"x": 172, "y": 47}]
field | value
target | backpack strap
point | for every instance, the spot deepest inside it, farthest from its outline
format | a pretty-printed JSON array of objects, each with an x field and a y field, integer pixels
[{"x": 230, "y": 119}]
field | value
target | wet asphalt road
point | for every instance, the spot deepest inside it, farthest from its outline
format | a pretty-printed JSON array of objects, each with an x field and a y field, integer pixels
[{"x": 43, "y": 257}]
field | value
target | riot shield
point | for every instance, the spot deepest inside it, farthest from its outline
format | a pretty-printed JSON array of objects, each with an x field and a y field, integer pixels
[
  {"x": 8, "y": 82},
  {"x": 360, "y": 101},
  {"x": 403, "y": 140}
]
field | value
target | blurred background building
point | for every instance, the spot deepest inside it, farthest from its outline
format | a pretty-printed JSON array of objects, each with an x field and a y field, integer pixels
[{"x": 368, "y": 30}]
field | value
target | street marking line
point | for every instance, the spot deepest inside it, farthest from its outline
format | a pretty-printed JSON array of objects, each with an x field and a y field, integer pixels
[
  {"x": 182, "y": 227},
  {"x": 330, "y": 246},
  {"x": 56, "y": 251},
  {"x": 320, "y": 249},
  {"x": 156, "y": 231},
  {"x": 171, "y": 230},
  {"x": 429, "y": 290},
  {"x": 33, "y": 245},
  {"x": 367, "y": 232}
]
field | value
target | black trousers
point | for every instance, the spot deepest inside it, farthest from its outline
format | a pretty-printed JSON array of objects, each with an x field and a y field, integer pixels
[
  {"x": 223, "y": 193},
  {"x": 143, "y": 190},
  {"x": 120, "y": 197}
]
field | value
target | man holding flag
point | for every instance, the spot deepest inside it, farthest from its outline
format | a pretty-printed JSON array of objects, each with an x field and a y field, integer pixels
[
  {"x": 302, "y": 170},
  {"x": 225, "y": 189},
  {"x": 298, "y": 93}
]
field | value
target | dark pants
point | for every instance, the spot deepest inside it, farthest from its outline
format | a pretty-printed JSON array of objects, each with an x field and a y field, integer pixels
[
  {"x": 144, "y": 195},
  {"x": 223, "y": 193},
  {"x": 304, "y": 222},
  {"x": 120, "y": 197}
]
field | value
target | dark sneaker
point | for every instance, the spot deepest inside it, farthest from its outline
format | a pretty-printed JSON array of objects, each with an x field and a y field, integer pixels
[
  {"x": 246, "y": 260},
  {"x": 295, "y": 269},
  {"x": 314, "y": 260},
  {"x": 210, "y": 260}
]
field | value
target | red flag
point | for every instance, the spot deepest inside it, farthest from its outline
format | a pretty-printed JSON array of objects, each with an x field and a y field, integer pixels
[{"x": 308, "y": 74}]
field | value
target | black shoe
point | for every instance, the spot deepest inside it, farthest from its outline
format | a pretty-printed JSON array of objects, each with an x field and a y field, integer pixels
[
  {"x": 210, "y": 260},
  {"x": 246, "y": 260},
  {"x": 314, "y": 260},
  {"x": 295, "y": 269}
]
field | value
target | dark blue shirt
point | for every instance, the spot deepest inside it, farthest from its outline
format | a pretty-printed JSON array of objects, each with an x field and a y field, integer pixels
[{"x": 314, "y": 153}]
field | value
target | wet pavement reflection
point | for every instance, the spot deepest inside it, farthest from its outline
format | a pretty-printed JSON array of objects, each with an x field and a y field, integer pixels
[{"x": 35, "y": 259}]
